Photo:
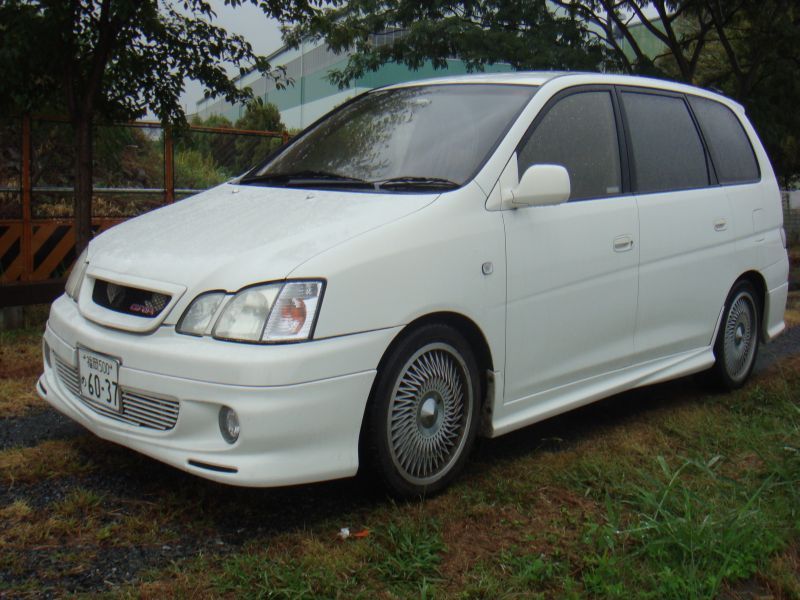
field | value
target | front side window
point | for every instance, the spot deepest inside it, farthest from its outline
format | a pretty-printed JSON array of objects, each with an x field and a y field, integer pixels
[
  {"x": 667, "y": 152},
  {"x": 727, "y": 141},
  {"x": 579, "y": 133},
  {"x": 423, "y": 135}
]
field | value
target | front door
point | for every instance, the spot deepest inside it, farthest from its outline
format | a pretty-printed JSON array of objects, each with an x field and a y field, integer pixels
[{"x": 572, "y": 268}]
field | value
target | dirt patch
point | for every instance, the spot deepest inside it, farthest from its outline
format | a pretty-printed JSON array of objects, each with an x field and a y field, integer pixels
[
  {"x": 785, "y": 345},
  {"x": 479, "y": 538},
  {"x": 35, "y": 426},
  {"x": 553, "y": 513},
  {"x": 792, "y": 314},
  {"x": 20, "y": 355},
  {"x": 97, "y": 568},
  {"x": 47, "y": 460},
  {"x": 779, "y": 580},
  {"x": 18, "y": 397}
]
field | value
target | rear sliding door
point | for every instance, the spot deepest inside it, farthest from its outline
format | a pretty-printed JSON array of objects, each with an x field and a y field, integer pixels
[{"x": 686, "y": 253}]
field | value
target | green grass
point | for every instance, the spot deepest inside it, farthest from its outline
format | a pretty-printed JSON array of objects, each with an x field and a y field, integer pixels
[
  {"x": 712, "y": 502},
  {"x": 21, "y": 363},
  {"x": 665, "y": 492}
]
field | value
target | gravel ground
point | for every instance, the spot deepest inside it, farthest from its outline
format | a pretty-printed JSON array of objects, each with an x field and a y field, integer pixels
[
  {"x": 35, "y": 427},
  {"x": 239, "y": 514}
]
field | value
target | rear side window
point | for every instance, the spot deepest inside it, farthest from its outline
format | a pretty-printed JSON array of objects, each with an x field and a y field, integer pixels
[
  {"x": 579, "y": 133},
  {"x": 733, "y": 156},
  {"x": 667, "y": 152}
]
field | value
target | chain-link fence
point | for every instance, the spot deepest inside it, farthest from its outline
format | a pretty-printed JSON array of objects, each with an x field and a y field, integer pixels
[
  {"x": 137, "y": 167},
  {"x": 791, "y": 216}
]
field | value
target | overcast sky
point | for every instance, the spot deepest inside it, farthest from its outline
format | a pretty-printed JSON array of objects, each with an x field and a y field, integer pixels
[{"x": 251, "y": 23}]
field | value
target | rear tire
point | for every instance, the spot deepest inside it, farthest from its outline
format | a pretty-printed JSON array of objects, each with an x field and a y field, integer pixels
[
  {"x": 736, "y": 346},
  {"x": 422, "y": 417}
]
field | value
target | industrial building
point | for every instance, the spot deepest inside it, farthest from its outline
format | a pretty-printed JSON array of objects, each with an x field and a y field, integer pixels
[{"x": 311, "y": 94}]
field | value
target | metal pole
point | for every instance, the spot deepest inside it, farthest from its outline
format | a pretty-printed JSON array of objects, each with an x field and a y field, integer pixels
[
  {"x": 27, "y": 227},
  {"x": 169, "y": 166},
  {"x": 302, "y": 83}
]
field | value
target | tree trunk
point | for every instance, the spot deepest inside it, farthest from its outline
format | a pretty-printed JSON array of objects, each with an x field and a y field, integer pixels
[{"x": 83, "y": 181}]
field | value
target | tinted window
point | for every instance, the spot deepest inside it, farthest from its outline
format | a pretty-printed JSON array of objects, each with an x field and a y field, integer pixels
[
  {"x": 579, "y": 133},
  {"x": 730, "y": 149},
  {"x": 667, "y": 153},
  {"x": 436, "y": 131}
]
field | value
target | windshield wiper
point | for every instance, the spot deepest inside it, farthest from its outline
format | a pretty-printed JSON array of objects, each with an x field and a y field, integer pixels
[
  {"x": 326, "y": 178},
  {"x": 304, "y": 178},
  {"x": 412, "y": 182}
]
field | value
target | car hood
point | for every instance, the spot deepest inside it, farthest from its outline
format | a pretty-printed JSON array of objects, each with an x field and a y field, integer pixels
[{"x": 232, "y": 236}]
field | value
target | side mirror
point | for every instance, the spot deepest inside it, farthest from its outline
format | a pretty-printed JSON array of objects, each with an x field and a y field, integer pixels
[{"x": 541, "y": 185}]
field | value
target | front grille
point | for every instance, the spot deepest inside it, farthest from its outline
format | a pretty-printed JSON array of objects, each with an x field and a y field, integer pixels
[
  {"x": 142, "y": 410},
  {"x": 68, "y": 376},
  {"x": 129, "y": 300}
]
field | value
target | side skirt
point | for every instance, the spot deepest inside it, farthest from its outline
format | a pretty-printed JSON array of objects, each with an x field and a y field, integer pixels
[{"x": 543, "y": 405}]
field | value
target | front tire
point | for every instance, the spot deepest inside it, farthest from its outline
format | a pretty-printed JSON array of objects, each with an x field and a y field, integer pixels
[
  {"x": 422, "y": 418},
  {"x": 736, "y": 346}
]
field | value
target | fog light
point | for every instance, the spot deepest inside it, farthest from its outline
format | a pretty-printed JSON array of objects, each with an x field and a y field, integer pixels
[{"x": 229, "y": 424}]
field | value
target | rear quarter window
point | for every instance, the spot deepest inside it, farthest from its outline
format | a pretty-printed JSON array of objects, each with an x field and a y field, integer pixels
[
  {"x": 731, "y": 151},
  {"x": 667, "y": 152}
]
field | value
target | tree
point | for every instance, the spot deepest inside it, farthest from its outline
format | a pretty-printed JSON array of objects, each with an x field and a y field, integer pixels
[
  {"x": 218, "y": 147},
  {"x": 746, "y": 48},
  {"x": 115, "y": 60},
  {"x": 525, "y": 34},
  {"x": 259, "y": 116}
]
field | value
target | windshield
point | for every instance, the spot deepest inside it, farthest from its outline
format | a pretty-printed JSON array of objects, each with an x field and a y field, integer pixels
[{"x": 424, "y": 136}]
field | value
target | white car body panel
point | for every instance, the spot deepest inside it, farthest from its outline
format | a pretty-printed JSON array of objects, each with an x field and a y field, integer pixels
[
  {"x": 565, "y": 319},
  {"x": 560, "y": 299},
  {"x": 685, "y": 271},
  {"x": 217, "y": 239}
]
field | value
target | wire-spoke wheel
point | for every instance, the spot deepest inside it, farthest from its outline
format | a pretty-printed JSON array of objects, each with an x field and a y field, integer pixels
[
  {"x": 429, "y": 412},
  {"x": 736, "y": 346},
  {"x": 423, "y": 414}
]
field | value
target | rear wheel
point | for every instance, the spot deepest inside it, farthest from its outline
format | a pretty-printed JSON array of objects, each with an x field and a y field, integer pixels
[
  {"x": 422, "y": 419},
  {"x": 736, "y": 346}
]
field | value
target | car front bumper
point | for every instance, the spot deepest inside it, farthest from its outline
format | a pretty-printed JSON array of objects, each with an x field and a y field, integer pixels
[{"x": 300, "y": 406}]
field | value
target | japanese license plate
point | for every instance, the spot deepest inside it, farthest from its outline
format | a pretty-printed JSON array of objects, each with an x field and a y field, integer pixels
[{"x": 99, "y": 378}]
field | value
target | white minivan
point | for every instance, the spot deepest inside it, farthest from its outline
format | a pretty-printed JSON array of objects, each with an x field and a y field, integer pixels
[{"x": 429, "y": 262}]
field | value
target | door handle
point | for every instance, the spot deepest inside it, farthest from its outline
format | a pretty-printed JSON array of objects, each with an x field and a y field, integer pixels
[
  {"x": 720, "y": 225},
  {"x": 623, "y": 243}
]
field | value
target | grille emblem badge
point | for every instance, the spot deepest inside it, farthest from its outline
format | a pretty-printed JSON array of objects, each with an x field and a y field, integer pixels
[{"x": 115, "y": 293}]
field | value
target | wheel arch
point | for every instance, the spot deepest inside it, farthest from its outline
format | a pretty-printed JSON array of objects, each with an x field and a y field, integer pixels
[
  {"x": 758, "y": 281},
  {"x": 466, "y": 327}
]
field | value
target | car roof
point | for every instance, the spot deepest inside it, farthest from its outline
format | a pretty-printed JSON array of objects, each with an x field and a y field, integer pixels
[
  {"x": 514, "y": 77},
  {"x": 539, "y": 78}
]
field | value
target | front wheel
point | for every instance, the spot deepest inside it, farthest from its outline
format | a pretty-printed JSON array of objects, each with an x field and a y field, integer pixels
[
  {"x": 736, "y": 346},
  {"x": 422, "y": 418}
]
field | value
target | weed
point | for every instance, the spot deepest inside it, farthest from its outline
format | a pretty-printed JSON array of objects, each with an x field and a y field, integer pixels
[
  {"x": 409, "y": 551},
  {"x": 280, "y": 575},
  {"x": 690, "y": 529},
  {"x": 47, "y": 460}
]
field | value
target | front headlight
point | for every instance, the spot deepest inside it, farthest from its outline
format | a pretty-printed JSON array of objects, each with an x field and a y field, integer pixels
[
  {"x": 76, "y": 276},
  {"x": 269, "y": 313},
  {"x": 197, "y": 318},
  {"x": 245, "y": 317}
]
